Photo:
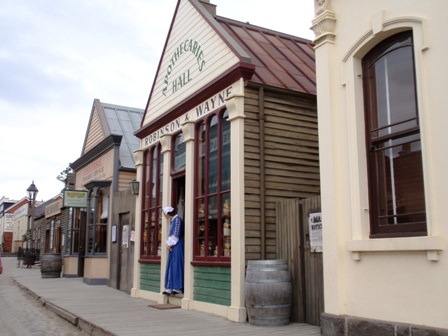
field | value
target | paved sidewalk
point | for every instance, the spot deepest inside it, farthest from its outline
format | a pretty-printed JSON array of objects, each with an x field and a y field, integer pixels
[{"x": 102, "y": 310}]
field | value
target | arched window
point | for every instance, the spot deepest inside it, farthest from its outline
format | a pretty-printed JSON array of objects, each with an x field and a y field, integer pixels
[
  {"x": 212, "y": 193},
  {"x": 394, "y": 153}
]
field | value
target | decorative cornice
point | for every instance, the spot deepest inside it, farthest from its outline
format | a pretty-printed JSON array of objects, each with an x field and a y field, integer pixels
[
  {"x": 188, "y": 131},
  {"x": 138, "y": 157},
  {"x": 321, "y": 5},
  {"x": 235, "y": 106},
  {"x": 165, "y": 142},
  {"x": 324, "y": 25}
]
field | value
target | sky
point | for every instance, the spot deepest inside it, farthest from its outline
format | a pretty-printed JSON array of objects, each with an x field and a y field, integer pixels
[{"x": 56, "y": 57}]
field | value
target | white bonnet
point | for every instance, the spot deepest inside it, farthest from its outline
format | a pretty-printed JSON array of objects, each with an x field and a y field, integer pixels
[{"x": 167, "y": 209}]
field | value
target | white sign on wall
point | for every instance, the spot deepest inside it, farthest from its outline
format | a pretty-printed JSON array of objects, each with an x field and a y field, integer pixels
[{"x": 315, "y": 226}]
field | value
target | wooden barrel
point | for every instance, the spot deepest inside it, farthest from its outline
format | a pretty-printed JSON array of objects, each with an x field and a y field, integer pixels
[
  {"x": 268, "y": 292},
  {"x": 51, "y": 265}
]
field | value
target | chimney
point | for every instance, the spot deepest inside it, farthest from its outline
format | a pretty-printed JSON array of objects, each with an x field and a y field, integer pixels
[{"x": 208, "y": 6}]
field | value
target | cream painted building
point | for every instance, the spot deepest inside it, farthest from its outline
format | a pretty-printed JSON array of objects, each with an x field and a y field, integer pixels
[
  {"x": 19, "y": 223},
  {"x": 381, "y": 70}
]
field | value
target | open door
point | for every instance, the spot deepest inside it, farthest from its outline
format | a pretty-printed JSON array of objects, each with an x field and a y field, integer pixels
[
  {"x": 125, "y": 253},
  {"x": 179, "y": 195},
  {"x": 81, "y": 242}
]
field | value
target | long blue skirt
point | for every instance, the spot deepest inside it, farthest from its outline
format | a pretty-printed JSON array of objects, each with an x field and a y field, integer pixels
[{"x": 174, "y": 276}]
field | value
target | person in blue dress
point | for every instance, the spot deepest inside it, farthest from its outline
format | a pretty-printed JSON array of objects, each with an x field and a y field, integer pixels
[{"x": 174, "y": 275}]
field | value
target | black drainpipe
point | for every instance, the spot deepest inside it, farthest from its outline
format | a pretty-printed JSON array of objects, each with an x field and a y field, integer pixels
[{"x": 262, "y": 174}]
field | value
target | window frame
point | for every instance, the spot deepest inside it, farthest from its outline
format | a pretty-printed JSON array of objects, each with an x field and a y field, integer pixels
[
  {"x": 220, "y": 193},
  {"x": 418, "y": 228},
  {"x": 96, "y": 227},
  {"x": 151, "y": 164}
]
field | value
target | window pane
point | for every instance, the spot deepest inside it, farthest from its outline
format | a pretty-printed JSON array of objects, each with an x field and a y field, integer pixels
[
  {"x": 152, "y": 233},
  {"x": 154, "y": 177},
  {"x": 395, "y": 90},
  {"x": 160, "y": 184},
  {"x": 227, "y": 227},
  {"x": 151, "y": 218},
  {"x": 225, "y": 154},
  {"x": 147, "y": 179},
  {"x": 75, "y": 232},
  {"x": 396, "y": 185},
  {"x": 212, "y": 229},
  {"x": 213, "y": 156},
  {"x": 401, "y": 188},
  {"x": 179, "y": 153},
  {"x": 201, "y": 159},
  {"x": 145, "y": 234}
]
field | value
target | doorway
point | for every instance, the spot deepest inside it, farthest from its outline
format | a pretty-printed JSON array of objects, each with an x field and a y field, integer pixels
[
  {"x": 125, "y": 251},
  {"x": 178, "y": 197},
  {"x": 294, "y": 244},
  {"x": 81, "y": 241}
]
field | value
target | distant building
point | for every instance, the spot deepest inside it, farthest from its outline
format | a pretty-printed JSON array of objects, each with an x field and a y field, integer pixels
[
  {"x": 17, "y": 231},
  {"x": 5, "y": 224},
  {"x": 98, "y": 202}
]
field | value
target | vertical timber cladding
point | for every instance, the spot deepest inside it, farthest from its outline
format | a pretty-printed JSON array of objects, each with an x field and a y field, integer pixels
[
  {"x": 281, "y": 161},
  {"x": 312, "y": 267}
]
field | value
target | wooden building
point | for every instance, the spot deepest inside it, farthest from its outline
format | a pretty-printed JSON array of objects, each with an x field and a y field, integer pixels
[
  {"x": 382, "y": 138},
  {"x": 47, "y": 226},
  {"x": 229, "y": 130},
  {"x": 100, "y": 204}
]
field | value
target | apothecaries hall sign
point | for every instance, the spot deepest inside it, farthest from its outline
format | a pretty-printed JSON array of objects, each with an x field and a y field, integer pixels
[{"x": 187, "y": 47}]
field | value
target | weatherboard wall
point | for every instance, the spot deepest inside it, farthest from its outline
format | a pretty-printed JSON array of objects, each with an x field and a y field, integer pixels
[{"x": 194, "y": 56}]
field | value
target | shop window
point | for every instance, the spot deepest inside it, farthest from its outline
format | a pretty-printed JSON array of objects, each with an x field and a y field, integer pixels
[
  {"x": 52, "y": 229},
  {"x": 178, "y": 153},
  {"x": 76, "y": 218},
  {"x": 97, "y": 224},
  {"x": 394, "y": 153},
  {"x": 151, "y": 239},
  {"x": 212, "y": 194},
  {"x": 178, "y": 156}
]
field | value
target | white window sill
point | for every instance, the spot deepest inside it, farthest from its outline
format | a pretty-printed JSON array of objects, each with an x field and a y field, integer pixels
[{"x": 432, "y": 245}]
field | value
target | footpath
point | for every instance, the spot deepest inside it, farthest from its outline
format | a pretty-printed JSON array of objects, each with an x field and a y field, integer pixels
[{"x": 101, "y": 310}]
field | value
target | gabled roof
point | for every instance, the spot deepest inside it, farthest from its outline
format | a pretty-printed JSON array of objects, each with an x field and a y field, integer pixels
[
  {"x": 281, "y": 60},
  {"x": 39, "y": 212},
  {"x": 13, "y": 208},
  {"x": 229, "y": 50},
  {"x": 114, "y": 120}
]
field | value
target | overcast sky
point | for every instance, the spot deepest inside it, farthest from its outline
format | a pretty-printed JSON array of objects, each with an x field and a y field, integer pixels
[{"x": 56, "y": 57}]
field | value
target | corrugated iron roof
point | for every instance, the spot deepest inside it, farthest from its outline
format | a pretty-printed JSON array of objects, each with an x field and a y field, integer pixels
[
  {"x": 123, "y": 120},
  {"x": 112, "y": 120},
  {"x": 281, "y": 60}
]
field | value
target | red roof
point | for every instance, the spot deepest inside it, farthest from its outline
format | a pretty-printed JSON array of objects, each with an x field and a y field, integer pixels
[{"x": 281, "y": 60}]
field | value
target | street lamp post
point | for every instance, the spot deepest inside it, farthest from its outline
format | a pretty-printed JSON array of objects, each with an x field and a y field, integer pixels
[{"x": 32, "y": 193}]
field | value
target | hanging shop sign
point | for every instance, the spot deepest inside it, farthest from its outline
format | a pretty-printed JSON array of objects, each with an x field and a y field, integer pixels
[{"x": 75, "y": 198}]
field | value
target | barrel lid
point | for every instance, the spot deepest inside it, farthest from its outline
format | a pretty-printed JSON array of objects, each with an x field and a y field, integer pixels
[{"x": 266, "y": 262}]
